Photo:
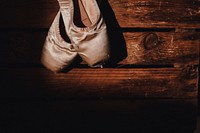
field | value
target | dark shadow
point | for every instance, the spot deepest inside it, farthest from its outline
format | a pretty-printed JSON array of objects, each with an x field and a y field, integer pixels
[
  {"x": 117, "y": 41},
  {"x": 74, "y": 64},
  {"x": 199, "y": 93},
  {"x": 62, "y": 30},
  {"x": 100, "y": 116},
  {"x": 77, "y": 14}
]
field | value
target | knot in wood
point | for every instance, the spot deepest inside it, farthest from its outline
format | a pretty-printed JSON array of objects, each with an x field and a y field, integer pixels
[{"x": 150, "y": 41}]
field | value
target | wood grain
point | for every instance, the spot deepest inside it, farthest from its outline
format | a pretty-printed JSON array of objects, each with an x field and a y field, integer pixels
[
  {"x": 172, "y": 48},
  {"x": 134, "y": 14},
  {"x": 97, "y": 83},
  {"x": 157, "y": 13},
  {"x": 154, "y": 88},
  {"x": 18, "y": 48}
]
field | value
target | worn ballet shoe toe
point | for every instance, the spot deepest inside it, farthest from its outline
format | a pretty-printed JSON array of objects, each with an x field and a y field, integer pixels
[
  {"x": 89, "y": 32},
  {"x": 57, "y": 54}
]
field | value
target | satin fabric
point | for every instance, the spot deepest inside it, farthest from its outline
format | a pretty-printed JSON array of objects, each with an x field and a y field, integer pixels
[{"x": 91, "y": 43}]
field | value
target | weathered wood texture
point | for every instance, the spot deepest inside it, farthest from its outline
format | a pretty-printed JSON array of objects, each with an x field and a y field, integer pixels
[
  {"x": 133, "y": 97},
  {"x": 99, "y": 116},
  {"x": 157, "y": 13},
  {"x": 134, "y": 14},
  {"x": 172, "y": 48},
  {"x": 101, "y": 83}
]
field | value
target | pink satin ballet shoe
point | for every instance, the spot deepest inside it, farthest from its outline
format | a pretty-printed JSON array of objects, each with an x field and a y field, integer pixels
[
  {"x": 57, "y": 54},
  {"x": 89, "y": 32}
]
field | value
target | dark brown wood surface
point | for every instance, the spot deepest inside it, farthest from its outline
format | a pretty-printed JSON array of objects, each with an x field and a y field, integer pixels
[
  {"x": 24, "y": 47},
  {"x": 133, "y": 14},
  {"x": 121, "y": 116},
  {"x": 157, "y": 13},
  {"x": 154, "y": 88},
  {"x": 101, "y": 83}
]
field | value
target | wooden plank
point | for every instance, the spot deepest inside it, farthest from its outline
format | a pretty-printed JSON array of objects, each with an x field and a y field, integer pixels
[
  {"x": 121, "y": 116},
  {"x": 157, "y": 13},
  {"x": 171, "y": 48},
  {"x": 134, "y": 14},
  {"x": 100, "y": 83}
]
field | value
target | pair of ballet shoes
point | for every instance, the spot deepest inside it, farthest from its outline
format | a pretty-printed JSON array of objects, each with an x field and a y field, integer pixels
[{"x": 88, "y": 36}]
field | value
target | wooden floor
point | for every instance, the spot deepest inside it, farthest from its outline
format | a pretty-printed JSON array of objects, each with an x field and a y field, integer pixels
[
  {"x": 34, "y": 99},
  {"x": 150, "y": 85}
]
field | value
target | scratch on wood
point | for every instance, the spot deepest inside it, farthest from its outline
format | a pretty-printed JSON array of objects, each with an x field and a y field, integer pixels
[
  {"x": 172, "y": 40},
  {"x": 160, "y": 4}
]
